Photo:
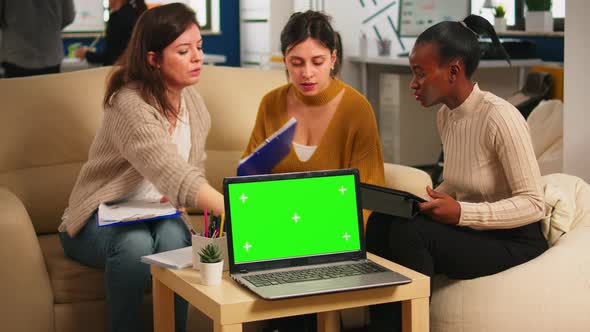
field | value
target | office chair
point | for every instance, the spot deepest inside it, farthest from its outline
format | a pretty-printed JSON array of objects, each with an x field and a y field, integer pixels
[{"x": 537, "y": 87}]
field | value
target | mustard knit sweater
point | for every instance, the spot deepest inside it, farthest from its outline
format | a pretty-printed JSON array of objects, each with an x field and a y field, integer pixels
[{"x": 351, "y": 140}]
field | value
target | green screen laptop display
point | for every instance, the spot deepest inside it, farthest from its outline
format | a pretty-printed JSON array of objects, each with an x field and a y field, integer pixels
[{"x": 290, "y": 218}]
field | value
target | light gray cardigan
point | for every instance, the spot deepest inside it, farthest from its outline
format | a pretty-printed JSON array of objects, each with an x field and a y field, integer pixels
[{"x": 133, "y": 143}]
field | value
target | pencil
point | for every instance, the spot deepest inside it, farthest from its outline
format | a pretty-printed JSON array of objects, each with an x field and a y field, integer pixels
[
  {"x": 221, "y": 227},
  {"x": 206, "y": 231}
]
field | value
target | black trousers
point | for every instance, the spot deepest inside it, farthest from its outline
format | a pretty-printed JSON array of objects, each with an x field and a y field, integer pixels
[
  {"x": 430, "y": 248},
  {"x": 12, "y": 70}
]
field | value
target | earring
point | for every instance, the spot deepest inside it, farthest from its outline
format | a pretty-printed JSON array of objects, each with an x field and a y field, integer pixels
[{"x": 332, "y": 68}]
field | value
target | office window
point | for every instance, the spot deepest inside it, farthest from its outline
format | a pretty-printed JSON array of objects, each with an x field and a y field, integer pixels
[
  {"x": 558, "y": 8},
  {"x": 477, "y": 7},
  {"x": 516, "y": 11},
  {"x": 207, "y": 12}
]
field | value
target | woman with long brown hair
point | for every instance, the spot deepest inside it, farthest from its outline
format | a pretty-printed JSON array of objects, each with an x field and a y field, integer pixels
[{"x": 150, "y": 147}]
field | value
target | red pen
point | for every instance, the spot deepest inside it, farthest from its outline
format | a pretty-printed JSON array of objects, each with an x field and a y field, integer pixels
[{"x": 206, "y": 231}]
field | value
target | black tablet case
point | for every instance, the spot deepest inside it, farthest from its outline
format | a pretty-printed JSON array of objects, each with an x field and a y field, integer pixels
[{"x": 389, "y": 201}]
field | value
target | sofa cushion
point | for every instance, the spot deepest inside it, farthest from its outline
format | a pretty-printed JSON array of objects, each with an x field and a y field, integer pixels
[
  {"x": 232, "y": 96},
  {"x": 546, "y": 125},
  {"x": 566, "y": 198},
  {"x": 406, "y": 178},
  {"x": 44, "y": 191},
  {"x": 559, "y": 209},
  {"x": 220, "y": 164},
  {"x": 548, "y": 293},
  {"x": 551, "y": 161},
  {"x": 71, "y": 281}
]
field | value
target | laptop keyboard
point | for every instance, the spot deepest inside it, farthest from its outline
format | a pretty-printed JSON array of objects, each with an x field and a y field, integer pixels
[{"x": 318, "y": 273}]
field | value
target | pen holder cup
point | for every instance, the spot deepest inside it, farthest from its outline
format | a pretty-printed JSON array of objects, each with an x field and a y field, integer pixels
[
  {"x": 199, "y": 242},
  {"x": 383, "y": 47}
]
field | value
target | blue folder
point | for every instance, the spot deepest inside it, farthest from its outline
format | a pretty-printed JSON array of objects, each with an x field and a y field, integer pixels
[{"x": 268, "y": 154}]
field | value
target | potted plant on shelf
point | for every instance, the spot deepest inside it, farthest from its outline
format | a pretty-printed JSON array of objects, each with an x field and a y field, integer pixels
[
  {"x": 499, "y": 19},
  {"x": 538, "y": 16},
  {"x": 211, "y": 265}
]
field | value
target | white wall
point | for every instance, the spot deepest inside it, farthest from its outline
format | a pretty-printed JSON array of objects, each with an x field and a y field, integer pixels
[
  {"x": 347, "y": 19},
  {"x": 576, "y": 102}
]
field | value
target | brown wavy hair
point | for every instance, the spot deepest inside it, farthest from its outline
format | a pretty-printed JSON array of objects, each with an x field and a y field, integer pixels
[
  {"x": 155, "y": 29},
  {"x": 316, "y": 25}
]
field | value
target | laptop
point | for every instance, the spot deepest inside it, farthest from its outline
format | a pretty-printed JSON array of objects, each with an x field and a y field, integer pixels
[{"x": 297, "y": 234}]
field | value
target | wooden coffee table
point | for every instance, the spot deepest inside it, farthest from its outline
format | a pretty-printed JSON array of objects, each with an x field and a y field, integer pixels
[{"x": 229, "y": 305}]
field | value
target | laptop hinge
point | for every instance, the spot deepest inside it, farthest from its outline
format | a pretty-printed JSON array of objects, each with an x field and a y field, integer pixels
[{"x": 243, "y": 271}]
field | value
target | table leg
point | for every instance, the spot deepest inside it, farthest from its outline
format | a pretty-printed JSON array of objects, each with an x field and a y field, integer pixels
[
  {"x": 415, "y": 315},
  {"x": 329, "y": 321},
  {"x": 163, "y": 298},
  {"x": 227, "y": 328}
]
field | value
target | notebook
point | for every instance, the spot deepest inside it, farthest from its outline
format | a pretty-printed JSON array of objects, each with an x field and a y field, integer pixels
[
  {"x": 130, "y": 212},
  {"x": 298, "y": 234},
  {"x": 172, "y": 259}
]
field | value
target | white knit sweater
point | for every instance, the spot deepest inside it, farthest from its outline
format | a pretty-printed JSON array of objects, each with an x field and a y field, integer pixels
[{"x": 490, "y": 165}]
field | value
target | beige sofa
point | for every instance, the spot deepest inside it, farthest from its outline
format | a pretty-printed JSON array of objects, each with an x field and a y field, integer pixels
[
  {"x": 47, "y": 127},
  {"x": 546, "y": 126}
]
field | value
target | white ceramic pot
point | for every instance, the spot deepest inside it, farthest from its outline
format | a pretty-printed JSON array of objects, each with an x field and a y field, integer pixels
[
  {"x": 500, "y": 24},
  {"x": 200, "y": 242},
  {"x": 539, "y": 21},
  {"x": 211, "y": 273}
]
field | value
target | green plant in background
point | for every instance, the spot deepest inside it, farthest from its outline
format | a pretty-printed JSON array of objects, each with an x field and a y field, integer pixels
[
  {"x": 499, "y": 11},
  {"x": 210, "y": 254},
  {"x": 538, "y": 5}
]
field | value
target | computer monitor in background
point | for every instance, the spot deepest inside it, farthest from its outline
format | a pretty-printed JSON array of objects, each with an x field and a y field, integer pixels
[
  {"x": 90, "y": 17},
  {"x": 417, "y": 15}
]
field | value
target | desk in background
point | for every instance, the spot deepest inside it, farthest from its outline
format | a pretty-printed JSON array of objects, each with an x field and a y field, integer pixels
[{"x": 408, "y": 131}]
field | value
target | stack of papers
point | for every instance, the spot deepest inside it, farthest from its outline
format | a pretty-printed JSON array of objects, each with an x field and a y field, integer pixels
[
  {"x": 134, "y": 211},
  {"x": 172, "y": 259}
]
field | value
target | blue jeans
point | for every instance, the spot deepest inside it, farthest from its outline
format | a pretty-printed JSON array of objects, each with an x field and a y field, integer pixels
[{"x": 117, "y": 250}]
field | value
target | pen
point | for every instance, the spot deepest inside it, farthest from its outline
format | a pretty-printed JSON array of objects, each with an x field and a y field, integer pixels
[
  {"x": 94, "y": 42},
  {"x": 215, "y": 224},
  {"x": 221, "y": 227},
  {"x": 187, "y": 223},
  {"x": 206, "y": 230}
]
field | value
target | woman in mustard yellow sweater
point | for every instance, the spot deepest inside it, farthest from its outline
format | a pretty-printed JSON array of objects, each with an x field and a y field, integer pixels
[{"x": 336, "y": 125}]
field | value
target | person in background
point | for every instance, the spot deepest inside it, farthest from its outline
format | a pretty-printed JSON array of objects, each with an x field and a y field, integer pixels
[
  {"x": 336, "y": 126},
  {"x": 484, "y": 217},
  {"x": 150, "y": 147},
  {"x": 31, "y": 35},
  {"x": 122, "y": 18}
]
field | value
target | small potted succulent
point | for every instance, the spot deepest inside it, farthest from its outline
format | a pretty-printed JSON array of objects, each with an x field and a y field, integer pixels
[
  {"x": 211, "y": 264},
  {"x": 499, "y": 19}
]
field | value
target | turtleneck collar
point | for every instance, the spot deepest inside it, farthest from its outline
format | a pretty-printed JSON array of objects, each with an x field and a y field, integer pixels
[
  {"x": 470, "y": 104},
  {"x": 321, "y": 98}
]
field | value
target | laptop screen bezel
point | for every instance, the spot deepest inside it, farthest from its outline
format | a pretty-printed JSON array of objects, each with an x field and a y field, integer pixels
[{"x": 293, "y": 261}]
